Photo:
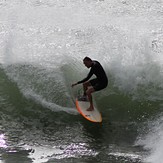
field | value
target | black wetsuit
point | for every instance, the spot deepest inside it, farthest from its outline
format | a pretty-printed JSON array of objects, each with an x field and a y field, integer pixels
[{"x": 101, "y": 81}]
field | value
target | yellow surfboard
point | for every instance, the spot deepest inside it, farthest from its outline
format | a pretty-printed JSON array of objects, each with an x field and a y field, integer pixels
[{"x": 82, "y": 105}]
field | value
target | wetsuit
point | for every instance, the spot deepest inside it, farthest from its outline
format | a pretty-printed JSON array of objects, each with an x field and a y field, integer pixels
[{"x": 101, "y": 80}]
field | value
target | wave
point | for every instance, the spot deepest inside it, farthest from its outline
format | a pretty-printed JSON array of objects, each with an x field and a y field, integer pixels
[
  {"x": 41, "y": 56},
  {"x": 51, "y": 89}
]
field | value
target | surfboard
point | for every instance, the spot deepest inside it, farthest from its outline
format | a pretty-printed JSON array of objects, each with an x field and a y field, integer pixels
[{"x": 82, "y": 105}]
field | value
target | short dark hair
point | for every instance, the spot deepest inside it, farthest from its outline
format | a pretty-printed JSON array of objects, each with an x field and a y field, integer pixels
[{"x": 87, "y": 59}]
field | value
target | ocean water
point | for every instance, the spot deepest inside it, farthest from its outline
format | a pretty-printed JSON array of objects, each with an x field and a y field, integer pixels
[{"x": 42, "y": 44}]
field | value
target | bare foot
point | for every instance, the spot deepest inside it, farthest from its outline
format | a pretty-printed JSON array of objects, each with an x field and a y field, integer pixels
[{"x": 90, "y": 109}]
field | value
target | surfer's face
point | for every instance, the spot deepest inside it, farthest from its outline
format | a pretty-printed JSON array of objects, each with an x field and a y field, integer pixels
[{"x": 87, "y": 63}]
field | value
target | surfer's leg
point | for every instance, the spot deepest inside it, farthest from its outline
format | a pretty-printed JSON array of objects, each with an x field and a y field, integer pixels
[
  {"x": 85, "y": 87},
  {"x": 89, "y": 94}
]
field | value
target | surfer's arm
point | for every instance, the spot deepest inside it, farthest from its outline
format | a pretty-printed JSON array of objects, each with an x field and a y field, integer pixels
[
  {"x": 74, "y": 84},
  {"x": 87, "y": 78}
]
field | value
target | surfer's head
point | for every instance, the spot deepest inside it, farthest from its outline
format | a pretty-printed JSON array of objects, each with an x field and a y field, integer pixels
[{"x": 87, "y": 62}]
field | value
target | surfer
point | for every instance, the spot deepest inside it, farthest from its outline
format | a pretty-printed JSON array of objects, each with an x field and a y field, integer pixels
[{"x": 93, "y": 85}]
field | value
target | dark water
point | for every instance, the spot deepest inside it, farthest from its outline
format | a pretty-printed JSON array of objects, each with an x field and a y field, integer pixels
[{"x": 42, "y": 47}]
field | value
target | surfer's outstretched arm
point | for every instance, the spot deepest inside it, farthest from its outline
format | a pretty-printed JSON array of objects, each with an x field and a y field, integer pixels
[{"x": 74, "y": 84}]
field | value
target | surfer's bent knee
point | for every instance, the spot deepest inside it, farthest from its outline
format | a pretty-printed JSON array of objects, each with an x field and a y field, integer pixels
[
  {"x": 90, "y": 90},
  {"x": 86, "y": 84}
]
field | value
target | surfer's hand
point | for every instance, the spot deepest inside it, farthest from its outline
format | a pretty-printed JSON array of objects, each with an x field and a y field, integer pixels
[{"x": 74, "y": 84}]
